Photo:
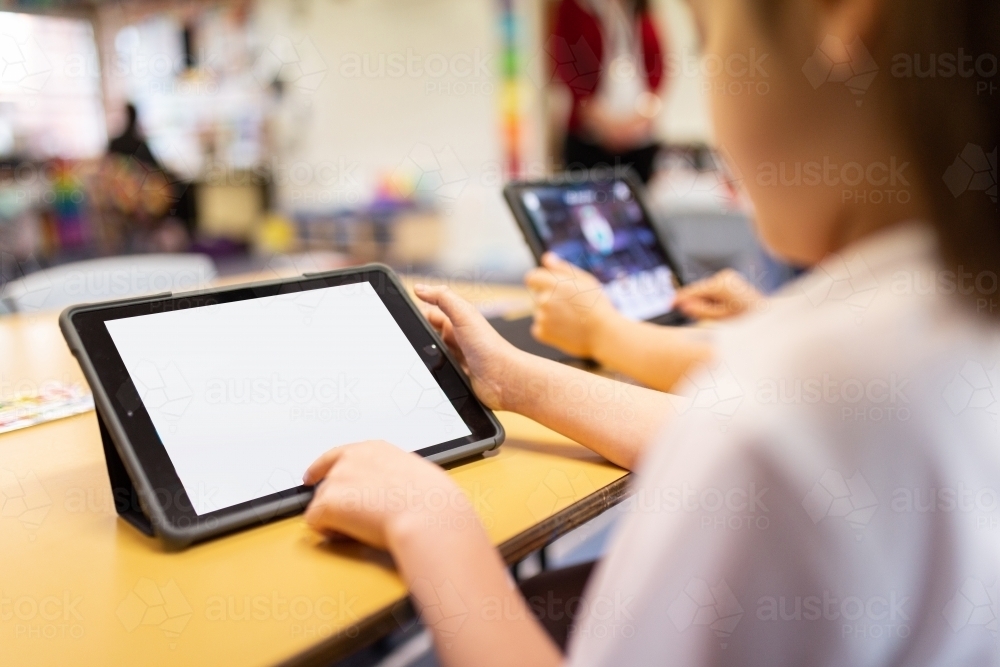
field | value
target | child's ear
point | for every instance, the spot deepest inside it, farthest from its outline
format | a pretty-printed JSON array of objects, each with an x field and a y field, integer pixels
[{"x": 850, "y": 19}]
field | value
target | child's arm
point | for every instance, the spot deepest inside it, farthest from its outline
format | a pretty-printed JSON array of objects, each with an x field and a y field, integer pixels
[{"x": 455, "y": 577}]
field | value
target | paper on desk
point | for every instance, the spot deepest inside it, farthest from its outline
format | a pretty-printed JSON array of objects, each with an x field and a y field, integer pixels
[{"x": 54, "y": 400}]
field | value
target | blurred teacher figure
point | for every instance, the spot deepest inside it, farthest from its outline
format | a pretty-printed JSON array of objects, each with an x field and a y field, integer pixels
[{"x": 608, "y": 54}]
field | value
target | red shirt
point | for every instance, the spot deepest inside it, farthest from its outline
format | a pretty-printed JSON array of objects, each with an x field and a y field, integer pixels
[{"x": 577, "y": 50}]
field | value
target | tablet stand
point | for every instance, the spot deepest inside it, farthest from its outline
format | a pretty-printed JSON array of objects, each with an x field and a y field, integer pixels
[{"x": 123, "y": 492}]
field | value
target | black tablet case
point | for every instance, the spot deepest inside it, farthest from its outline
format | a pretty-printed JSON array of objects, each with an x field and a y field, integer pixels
[
  {"x": 127, "y": 495},
  {"x": 123, "y": 492}
]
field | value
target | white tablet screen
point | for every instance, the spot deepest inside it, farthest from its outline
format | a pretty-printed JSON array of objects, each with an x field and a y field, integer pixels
[{"x": 245, "y": 395}]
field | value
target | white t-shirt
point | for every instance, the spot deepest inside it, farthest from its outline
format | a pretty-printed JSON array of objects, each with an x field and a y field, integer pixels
[{"x": 830, "y": 497}]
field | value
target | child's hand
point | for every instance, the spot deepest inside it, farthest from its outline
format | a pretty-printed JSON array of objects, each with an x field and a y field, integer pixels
[
  {"x": 487, "y": 358},
  {"x": 373, "y": 491},
  {"x": 571, "y": 308},
  {"x": 726, "y": 294}
]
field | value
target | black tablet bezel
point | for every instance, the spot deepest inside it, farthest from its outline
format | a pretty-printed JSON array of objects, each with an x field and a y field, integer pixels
[
  {"x": 165, "y": 490},
  {"x": 512, "y": 194}
]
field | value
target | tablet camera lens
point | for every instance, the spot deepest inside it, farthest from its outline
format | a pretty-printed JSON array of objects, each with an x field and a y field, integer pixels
[{"x": 435, "y": 359}]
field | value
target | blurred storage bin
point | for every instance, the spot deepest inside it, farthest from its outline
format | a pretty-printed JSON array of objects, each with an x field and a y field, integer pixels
[
  {"x": 416, "y": 239},
  {"x": 399, "y": 235},
  {"x": 230, "y": 211}
]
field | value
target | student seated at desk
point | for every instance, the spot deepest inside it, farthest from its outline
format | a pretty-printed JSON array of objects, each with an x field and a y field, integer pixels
[
  {"x": 827, "y": 496},
  {"x": 573, "y": 314}
]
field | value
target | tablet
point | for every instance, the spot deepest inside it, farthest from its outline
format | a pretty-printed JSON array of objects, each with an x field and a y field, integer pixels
[
  {"x": 217, "y": 401},
  {"x": 601, "y": 225}
]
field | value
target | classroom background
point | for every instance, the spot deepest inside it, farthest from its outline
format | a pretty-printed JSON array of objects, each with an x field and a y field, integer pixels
[{"x": 312, "y": 134}]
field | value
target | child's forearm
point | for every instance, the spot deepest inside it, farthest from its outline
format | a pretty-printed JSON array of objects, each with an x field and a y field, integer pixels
[
  {"x": 656, "y": 356},
  {"x": 614, "y": 419},
  {"x": 465, "y": 595}
]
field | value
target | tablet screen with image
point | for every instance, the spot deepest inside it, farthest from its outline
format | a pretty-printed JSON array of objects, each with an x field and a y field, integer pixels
[{"x": 602, "y": 227}]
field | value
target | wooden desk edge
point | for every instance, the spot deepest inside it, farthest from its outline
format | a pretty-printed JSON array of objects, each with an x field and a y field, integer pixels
[{"x": 382, "y": 622}]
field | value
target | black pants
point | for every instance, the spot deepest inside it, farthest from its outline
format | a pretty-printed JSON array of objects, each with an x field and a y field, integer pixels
[
  {"x": 555, "y": 596},
  {"x": 581, "y": 154}
]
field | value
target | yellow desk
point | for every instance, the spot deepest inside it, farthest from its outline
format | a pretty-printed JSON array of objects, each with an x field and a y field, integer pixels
[{"x": 79, "y": 586}]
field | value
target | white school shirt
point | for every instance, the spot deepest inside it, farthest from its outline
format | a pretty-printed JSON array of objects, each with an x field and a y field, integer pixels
[
  {"x": 830, "y": 496},
  {"x": 623, "y": 76}
]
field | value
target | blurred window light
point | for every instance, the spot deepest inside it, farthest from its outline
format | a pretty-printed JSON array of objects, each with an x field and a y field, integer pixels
[
  {"x": 199, "y": 117},
  {"x": 50, "y": 88}
]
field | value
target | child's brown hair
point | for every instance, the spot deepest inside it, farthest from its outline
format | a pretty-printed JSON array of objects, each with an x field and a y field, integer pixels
[{"x": 950, "y": 118}]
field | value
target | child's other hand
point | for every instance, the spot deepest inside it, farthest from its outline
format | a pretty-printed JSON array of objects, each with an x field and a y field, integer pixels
[{"x": 726, "y": 294}]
